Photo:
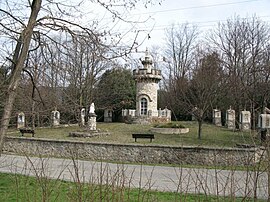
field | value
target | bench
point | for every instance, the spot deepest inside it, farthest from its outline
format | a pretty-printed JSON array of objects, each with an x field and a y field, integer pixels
[
  {"x": 143, "y": 135},
  {"x": 27, "y": 130}
]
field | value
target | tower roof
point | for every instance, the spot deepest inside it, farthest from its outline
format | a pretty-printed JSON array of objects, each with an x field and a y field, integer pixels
[{"x": 147, "y": 73}]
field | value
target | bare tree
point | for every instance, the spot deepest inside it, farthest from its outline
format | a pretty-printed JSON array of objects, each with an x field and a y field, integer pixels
[
  {"x": 180, "y": 46},
  {"x": 18, "y": 60},
  {"x": 204, "y": 87},
  {"x": 242, "y": 44},
  {"x": 55, "y": 17},
  {"x": 85, "y": 65},
  {"x": 179, "y": 57}
]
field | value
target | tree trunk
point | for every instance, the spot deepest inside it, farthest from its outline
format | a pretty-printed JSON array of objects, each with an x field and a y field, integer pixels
[
  {"x": 33, "y": 114},
  {"x": 21, "y": 51},
  {"x": 33, "y": 109},
  {"x": 199, "y": 129}
]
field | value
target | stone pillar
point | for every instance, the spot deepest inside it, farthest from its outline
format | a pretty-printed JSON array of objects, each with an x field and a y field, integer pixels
[
  {"x": 83, "y": 117},
  {"x": 108, "y": 115},
  {"x": 217, "y": 117},
  {"x": 264, "y": 126},
  {"x": 169, "y": 114},
  {"x": 21, "y": 120},
  {"x": 230, "y": 118},
  {"x": 245, "y": 120},
  {"x": 264, "y": 121},
  {"x": 55, "y": 116}
]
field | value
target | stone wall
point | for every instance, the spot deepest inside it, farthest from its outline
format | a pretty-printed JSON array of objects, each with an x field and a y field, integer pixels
[
  {"x": 135, "y": 153},
  {"x": 147, "y": 90}
]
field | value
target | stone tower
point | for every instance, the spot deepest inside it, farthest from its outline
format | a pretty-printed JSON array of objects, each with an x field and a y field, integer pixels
[
  {"x": 146, "y": 111},
  {"x": 147, "y": 79}
]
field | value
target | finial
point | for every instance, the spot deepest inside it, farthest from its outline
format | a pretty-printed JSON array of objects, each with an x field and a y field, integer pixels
[
  {"x": 146, "y": 52},
  {"x": 147, "y": 59}
]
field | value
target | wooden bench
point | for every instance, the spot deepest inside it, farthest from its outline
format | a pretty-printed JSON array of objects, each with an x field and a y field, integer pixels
[
  {"x": 143, "y": 135},
  {"x": 27, "y": 130}
]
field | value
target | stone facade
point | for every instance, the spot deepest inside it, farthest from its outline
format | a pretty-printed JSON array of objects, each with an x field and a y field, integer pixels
[
  {"x": 147, "y": 79},
  {"x": 136, "y": 153},
  {"x": 146, "y": 90}
]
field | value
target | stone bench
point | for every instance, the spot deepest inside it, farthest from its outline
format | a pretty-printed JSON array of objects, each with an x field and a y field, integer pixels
[
  {"x": 143, "y": 135},
  {"x": 27, "y": 130}
]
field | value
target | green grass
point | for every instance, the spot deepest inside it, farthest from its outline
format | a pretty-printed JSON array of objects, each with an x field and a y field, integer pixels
[
  {"x": 121, "y": 133},
  {"x": 24, "y": 188}
]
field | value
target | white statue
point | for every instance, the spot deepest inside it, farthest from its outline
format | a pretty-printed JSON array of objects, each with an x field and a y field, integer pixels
[{"x": 92, "y": 108}]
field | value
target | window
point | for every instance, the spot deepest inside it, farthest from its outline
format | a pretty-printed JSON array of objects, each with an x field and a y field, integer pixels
[{"x": 143, "y": 106}]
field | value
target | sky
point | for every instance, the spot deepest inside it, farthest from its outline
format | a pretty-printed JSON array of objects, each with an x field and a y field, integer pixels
[
  {"x": 152, "y": 21},
  {"x": 203, "y": 13}
]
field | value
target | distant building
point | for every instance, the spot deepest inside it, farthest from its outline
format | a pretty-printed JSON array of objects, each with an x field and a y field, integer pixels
[{"x": 147, "y": 79}]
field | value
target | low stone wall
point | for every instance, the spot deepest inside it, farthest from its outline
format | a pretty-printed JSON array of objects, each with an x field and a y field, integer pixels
[
  {"x": 170, "y": 130},
  {"x": 150, "y": 154}
]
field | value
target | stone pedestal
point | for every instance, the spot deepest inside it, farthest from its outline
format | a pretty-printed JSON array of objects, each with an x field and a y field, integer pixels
[
  {"x": 108, "y": 115},
  {"x": 55, "y": 116},
  {"x": 264, "y": 121},
  {"x": 21, "y": 120},
  {"x": 83, "y": 117},
  {"x": 230, "y": 119},
  {"x": 217, "y": 117},
  {"x": 92, "y": 122},
  {"x": 245, "y": 120}
]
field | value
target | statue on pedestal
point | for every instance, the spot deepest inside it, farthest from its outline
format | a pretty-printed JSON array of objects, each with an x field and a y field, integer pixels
[{"x": 92, "y": 118}]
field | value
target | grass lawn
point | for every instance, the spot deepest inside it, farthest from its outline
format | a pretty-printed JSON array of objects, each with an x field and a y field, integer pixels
[
  {"x": 24, "y": 188},
  {"x": 121, "y": 133}
]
